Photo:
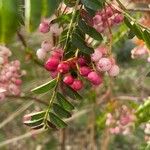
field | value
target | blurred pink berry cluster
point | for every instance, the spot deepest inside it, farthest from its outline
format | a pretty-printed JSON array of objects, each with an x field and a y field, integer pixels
[
  {"x": 121, "y": 121},
  {"x": 107, "y": 17},
  {"x": 10, "y": 74},
  {"x": 103, "y": 62}
]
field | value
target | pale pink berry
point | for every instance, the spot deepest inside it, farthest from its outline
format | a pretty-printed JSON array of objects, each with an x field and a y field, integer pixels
[
  {"x": 63, "y": 67},
  {"x": 117, "y": 130},
  {"x": 13, "y": 89},
  {"x": 148, "y": 59},
  {"x": 99, "y": 28},
  {"x": 104, "y": 64},
  {"x": 2, "y": 96},
  {"x": 68, "y": 79},
  {"x": 103, "y": 49},
  {"x": 44, "y": 26},
  {"x": 96, "y": 56},
  {"x": 56, "y": 29},
  {"x": 46, "y": 46},
  {"x": 51, "y": 64},
  {"x": 125, "y": 120},
  {"x": 97, "y": 19},
  {"x": 26, "y": 117},
  {"x": 84, "y": 71},
  {"x": 114, "y": 71},
  {"x": 41, "y": 54},
  {"x": 77, "y": 85},
  {"x": 94, "y": 78},
  {"x": 1, "y": 60}
]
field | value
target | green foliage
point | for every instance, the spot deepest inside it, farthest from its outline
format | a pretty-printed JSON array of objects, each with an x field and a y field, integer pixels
[
  {"x": 143, "y": 112},
  {"x": 45, "y": 87},
  {"x": 139, "y": 31},
  {"x": 10, "y": 17}
]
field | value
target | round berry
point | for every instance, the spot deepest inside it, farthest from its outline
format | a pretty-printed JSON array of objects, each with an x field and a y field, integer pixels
[
  {"x": 104, "y": 64},
  {"x": 41, "y": 54},
  {"x": 51, "y": 64},
  {"x": 81, "y": 61},
  {"x": 94, "y": 78},
  {"x": 57, "y": 53},
  {"x": 63, "y": 67},
  {"x": 77, "y": 85},
  {"x": 53, "y": 74},
  {"x": 118, "y": 18},
  {"x": 84, "y": 71},
  {"x": 96, "y": 56},
  {"x": 44, "y": 27},
  {"x": 46, "y": 46},
  {"x": 114, "y": 71},
  {"x": 68, "y": 79}
]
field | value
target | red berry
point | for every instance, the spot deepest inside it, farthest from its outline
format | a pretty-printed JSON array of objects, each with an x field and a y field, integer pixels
[
  {"x": 94, "y": 78},
  {"x": 51, "y": 64},
  {"x": 63, "y": 67},
  {"x": 57, "y": 53},
  {"x": 77, "y": 85},
  {"x": 68, "y": 79},
  {"x": 44, "y": 27},
  {"x": 81, "y": 61},
  {"x": 84, "y": 71}
]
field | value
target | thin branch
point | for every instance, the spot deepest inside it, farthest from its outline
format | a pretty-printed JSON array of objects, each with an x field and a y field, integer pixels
[
  {"x": 15, "y": 114},
  {"x": 29, "y": 98},
  {"x": 139, "y": 9}
]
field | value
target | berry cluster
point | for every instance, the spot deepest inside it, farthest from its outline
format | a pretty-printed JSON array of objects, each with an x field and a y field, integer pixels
[
  {"x": 106, "y": 17},
  {"x": 10, "y": 74},
  {"x": 78, "y": 65},
  {"x": 120, "y": 121},
  {"x": 46, "y": 47},
  {"x": 104, "y": 63}
]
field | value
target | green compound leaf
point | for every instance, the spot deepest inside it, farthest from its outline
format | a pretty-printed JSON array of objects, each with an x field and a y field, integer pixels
[
  {"x": 64, "y": 103},
  {"x": 56, "y": 121},
  {"x": 61, "y": 112},
  {"x": 44, "y": 87}
]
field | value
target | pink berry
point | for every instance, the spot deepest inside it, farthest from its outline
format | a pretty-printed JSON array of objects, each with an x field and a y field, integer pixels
[
  {"x": 81, "y": 61},
  {"x": 63, "y": 67},
  {"x": 41, "y": 54},
  {"x": 96, "y": 56},
  {"x": 53, "y": 74},
  {"x": 84, "y": 71},
  {"x": 114, "y": 71},
  {"x": 148, "y": 59},
  {"x": 109, "y": 11},
  {"x": 104, "y": 64},
  {"x": 18, "y": 81},
  {"x": 77, "y": 85},
  {"x": 44, "y": 27},
  {"x": 68, "y": 79},
  {"x": 2, "y": 96},
  {"x": 46, "y": 46},
  {"x": 51, "y": 64},
  {"x": 97, "y": 19},
  {"x": 118, "y": 18},
  {"x": 94, "y": 78},
  {"x": 57, "y": 53}
]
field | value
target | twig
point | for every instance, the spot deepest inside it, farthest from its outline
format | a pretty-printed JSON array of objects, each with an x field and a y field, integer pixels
[
  {"x": 15, "y": 114},
  {"x": 29, "y": 98}
]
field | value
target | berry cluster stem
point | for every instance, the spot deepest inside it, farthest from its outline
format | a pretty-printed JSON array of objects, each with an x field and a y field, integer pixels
[
  {"x": 71, "y": 23},
  {"x": 52, "y": 99}
]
